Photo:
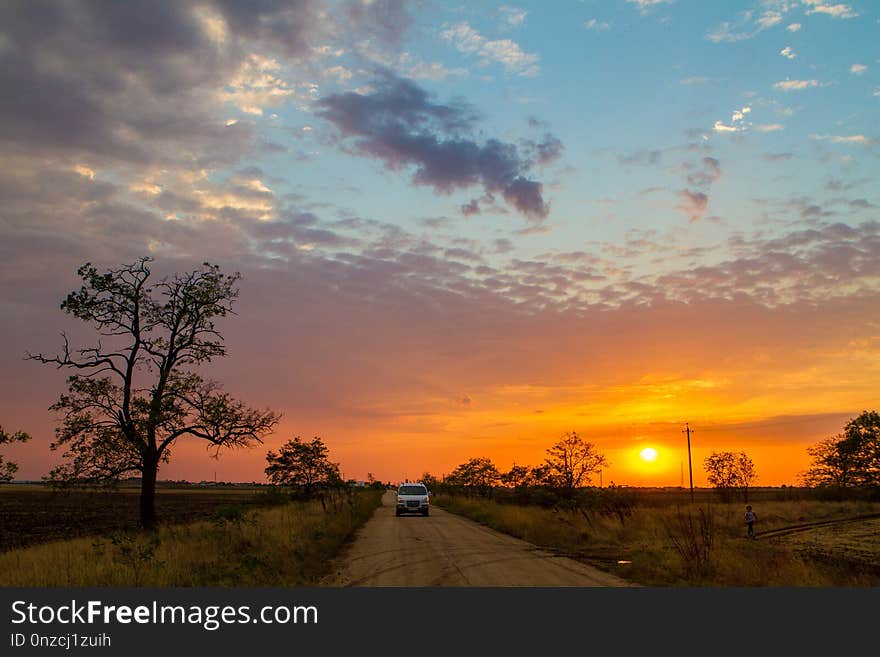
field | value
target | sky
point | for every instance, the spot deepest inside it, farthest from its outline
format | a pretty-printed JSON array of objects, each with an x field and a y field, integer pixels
[{"x": 463, "y": 229}]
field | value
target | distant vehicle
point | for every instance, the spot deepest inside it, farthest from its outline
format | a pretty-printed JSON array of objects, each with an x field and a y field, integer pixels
[{"x": 412, "y": 498}]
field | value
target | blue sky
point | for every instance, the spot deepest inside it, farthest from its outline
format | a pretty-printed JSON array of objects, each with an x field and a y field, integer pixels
[
  {"x": 476, "y": 224},
  {"x": 636, "y": 94}
]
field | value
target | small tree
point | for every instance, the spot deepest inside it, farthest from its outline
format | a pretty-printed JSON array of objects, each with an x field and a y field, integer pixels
[
  {"x": 305, "y": 466},
  {"x": 134, "y": 396},
  {"x": 8, "y": 468},
  {"x": 431, "y": 482},
  {"x": 571, "y": 463},
  {"x": 478, "y": 475},
  {"x": 519, "y": 476},
  {"x": 729, "y": 471}
]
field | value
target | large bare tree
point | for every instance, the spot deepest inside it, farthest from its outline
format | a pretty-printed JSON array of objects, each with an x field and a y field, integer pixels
[{"x": 136, "y": 391}]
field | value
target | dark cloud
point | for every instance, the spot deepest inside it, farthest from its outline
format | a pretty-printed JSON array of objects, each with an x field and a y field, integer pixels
[
  {"x": 458, "y": 253},
  {"x": 692, "y": 204},
  {"x": 503, "y": 245},
  {"x": 399, "y": 124},
  {"x": 142, "y": 82},
  {"x": 815, "y": 211},
  {"x": 287, "y": 25},
  {"x": 545, "y": 151},
  {"x": 114, "y": 81},
  {"x": 471, "y": 208},
  {"x": 804, "y": 265},
  {"x": 386, "y": 20},
  {"x": 643, "y": 158},
  {"x": 435, "y": 222},
  {"x": 706, "y": 173}
]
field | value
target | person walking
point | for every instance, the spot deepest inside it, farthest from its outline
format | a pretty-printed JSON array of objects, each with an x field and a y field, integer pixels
[{"x": 751, "y": 518}]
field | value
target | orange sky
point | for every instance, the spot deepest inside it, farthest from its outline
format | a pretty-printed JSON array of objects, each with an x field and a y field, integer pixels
[{"x": 399, "y": 393}]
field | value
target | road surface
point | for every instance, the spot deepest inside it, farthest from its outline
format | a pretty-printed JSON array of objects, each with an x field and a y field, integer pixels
[{"x": 448, "y": 550}]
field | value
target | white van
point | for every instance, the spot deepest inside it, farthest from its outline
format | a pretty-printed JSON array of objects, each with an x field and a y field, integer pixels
[{"x": 412, "y": 498}]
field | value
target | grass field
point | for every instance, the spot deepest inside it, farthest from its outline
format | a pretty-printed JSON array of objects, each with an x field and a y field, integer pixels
[
  {"x": 702, "y": 544},
  {"x": 290, "y": 544}
]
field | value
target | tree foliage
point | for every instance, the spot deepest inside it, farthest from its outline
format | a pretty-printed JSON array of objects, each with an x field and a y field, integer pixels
[
  {"x": 304, "y": 466},
  {"x": 135, "y": 392},
  {"x": 849, "y": 459},
  {"x": 571, "y": 463},
  {"x": 8, "y": 468},
  {"x": 729, "y": 472},
  {"x": 476, "y": 475},
  {"x": 519, "y": 476}
]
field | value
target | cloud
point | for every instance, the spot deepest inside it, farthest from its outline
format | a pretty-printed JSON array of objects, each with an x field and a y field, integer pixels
[
  {"x": 835, "y": 10},
  {"x": 502, "y": 245},
  {"x": 406, "y": 64},
  {"x": 645, "y": 5},
  {"x": 794, "y": 27},
  {"x": 701, "y": 175},
  {"x": 768, "y": 127},
  {"x": 858, "y": 69},
  {"x": 694, "y": 80},
  {"x": 720, "y": 126},
  {"x": 787, "y": 53},
  {"x": 512, "y": 16},
  {"x": 503, "y": 51},
  {"x": 769, "y": 19},
  {"x": 746, "y": 26},
  {"x": 642, "y": 158},
  {"x": 706, "y": 174},
  {"x": 398, "y": 124},
  {"x": 795, "y": 85},
  {"x": 737, "y": 122},
  {"x": 597, "y": 26},
  {"x": 861, "y": 140},
  {"x": 385, "y": 20},
  {"x": 147, "y": 84},
  {"x": 255, "y": 85},
  {"x": 726, "y": 32},
  {"x": 693, "y": 204},
  {"x": 546, "y": 151}
]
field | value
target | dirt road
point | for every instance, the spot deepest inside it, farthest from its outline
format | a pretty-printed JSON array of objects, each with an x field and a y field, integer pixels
[{"x": 448, "y": 550}]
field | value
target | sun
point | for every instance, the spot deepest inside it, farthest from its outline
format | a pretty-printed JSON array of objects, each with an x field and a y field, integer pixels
[{"x": 648, "y": 454}]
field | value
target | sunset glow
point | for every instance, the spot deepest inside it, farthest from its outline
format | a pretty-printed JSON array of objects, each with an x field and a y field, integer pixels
[{"x": 464, "y": 230}]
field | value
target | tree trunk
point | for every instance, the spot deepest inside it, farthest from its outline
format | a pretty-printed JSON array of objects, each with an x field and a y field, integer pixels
[{"x": 148, "y": 493}]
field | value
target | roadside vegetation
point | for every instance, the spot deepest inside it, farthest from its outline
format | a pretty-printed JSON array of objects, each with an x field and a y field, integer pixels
[
  {"x": 822, "y": 534},
  {"x": 289, "y": 544},
  {"x": 679, "y": 544}
]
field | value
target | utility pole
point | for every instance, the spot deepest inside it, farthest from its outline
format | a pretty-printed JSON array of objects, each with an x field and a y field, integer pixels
[{"x": 687, "y": 430}]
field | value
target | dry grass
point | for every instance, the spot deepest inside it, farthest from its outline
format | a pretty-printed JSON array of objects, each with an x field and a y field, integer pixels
[
  {"x": 289, "y": 545},
  {"x": 646, "y": 542}
]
